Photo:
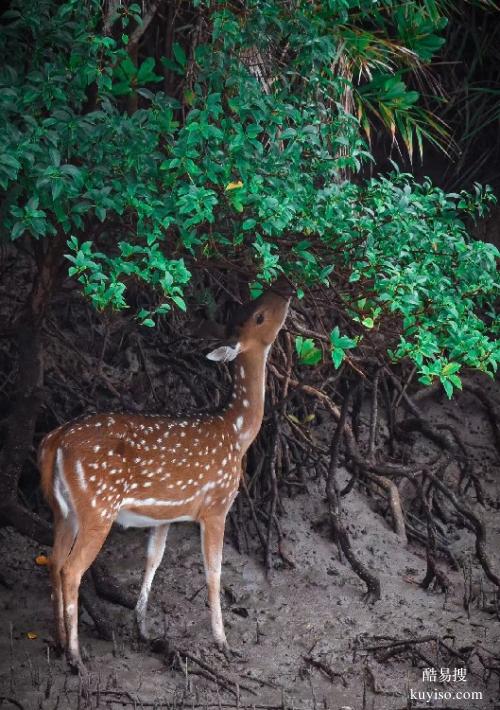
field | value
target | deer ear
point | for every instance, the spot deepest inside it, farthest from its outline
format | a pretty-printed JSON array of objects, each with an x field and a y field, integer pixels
[{"x": 225, "y": 353}]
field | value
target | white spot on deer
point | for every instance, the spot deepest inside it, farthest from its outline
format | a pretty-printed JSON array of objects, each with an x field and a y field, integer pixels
[{"x": 81, "y": 475}]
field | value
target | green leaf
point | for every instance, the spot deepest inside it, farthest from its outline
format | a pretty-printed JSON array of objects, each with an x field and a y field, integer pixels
[
  {"x": 179, "y": 302},
  {"x": 55, "y": 156},
  {"x": 338, "y": 356},
  {"x": 17, "y": 230},
  {"x": 179, "y": 54},
  {"x": 248, "y": 223},
  {"x": 448, "y": 388},
  {"x": 307, "y": 351}
]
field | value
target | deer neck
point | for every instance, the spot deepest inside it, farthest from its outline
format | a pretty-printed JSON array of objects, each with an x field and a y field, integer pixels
[{"x": 246, "y": 408}]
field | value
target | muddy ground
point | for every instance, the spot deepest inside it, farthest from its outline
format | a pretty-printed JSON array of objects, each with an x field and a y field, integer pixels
[{"x": 302, "y": 632}]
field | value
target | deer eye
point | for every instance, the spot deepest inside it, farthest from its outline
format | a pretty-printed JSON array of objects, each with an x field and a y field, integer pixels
[{"x": 259, "y": 318}]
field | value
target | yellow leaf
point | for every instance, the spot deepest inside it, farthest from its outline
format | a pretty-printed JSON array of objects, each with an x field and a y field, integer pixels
[
  {"x": 189, "y": 97},
  {"x": 42, "y": 560},
  {"x": 234, "y": 185},
  {"x": 31, "y": 635}
]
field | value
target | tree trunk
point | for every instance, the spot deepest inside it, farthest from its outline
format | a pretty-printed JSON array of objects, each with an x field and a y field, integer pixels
[{"x": 27, "y": 394}]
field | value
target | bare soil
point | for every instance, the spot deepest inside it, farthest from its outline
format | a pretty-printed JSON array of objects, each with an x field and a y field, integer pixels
[{"x": 302, "y": 632}]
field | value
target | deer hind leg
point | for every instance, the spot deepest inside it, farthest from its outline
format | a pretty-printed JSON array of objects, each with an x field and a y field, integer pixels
[
  {"x": 156, "y": 548},
  {"x": 89, "y": 541},
  {"x": 212, "y": 540},
  {"x": 64, "y": 536}
]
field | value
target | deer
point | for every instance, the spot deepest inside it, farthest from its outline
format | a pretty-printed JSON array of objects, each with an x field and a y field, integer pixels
[{"x": 148, "y": 471}]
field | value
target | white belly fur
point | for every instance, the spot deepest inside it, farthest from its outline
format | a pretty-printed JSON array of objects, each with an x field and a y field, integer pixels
[{"x": 128, "y": 519}]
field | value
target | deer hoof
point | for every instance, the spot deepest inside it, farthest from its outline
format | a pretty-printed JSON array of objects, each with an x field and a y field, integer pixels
[{"x": 77, "y": 666}]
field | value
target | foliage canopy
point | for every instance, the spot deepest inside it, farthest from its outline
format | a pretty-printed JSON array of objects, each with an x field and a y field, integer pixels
[{"x": 256, "y": 158}]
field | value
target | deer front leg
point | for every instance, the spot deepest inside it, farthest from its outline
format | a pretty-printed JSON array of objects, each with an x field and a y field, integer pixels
[
  {"x": 212, "y": 539},
  {"x": 156, "y": 549}
]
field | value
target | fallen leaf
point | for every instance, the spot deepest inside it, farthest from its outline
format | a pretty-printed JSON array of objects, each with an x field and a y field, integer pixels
[
  {"x": 42, "y": 560},
  {"x": 31, "y": 635},
  {"x": 234, "y": 185}
]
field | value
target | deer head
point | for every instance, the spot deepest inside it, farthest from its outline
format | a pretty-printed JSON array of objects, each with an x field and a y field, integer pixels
[{"x": 255, "y": 325}]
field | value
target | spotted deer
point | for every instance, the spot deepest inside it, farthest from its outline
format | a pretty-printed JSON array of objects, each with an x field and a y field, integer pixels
[{"x": 150, "y": 471}]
